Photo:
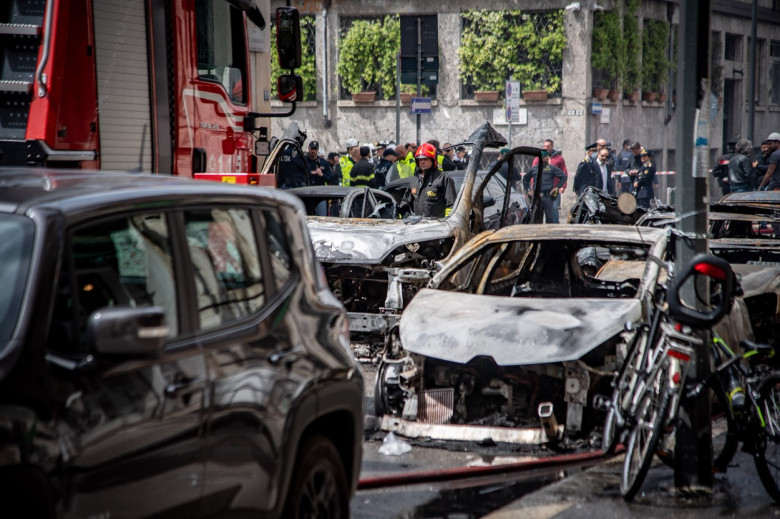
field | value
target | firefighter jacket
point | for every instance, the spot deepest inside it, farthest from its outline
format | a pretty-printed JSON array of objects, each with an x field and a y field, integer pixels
[
  {"x": 345, "y": 165},
  {"x": 430, "y": 194}
]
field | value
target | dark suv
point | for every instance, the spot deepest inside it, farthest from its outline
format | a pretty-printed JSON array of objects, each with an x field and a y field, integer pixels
[{"x": 169, "y": 348}]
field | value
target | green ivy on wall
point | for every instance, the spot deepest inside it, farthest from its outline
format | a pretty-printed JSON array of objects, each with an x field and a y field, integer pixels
[
  {"x": 496, "y": 45},
  {"x": 608, "y": 58},
  {"x": 633, "y": 46},
  {"x": 655, "y": 65},
  {"x": 367, "y": 52},
  {"x": 308, "y": 68}
]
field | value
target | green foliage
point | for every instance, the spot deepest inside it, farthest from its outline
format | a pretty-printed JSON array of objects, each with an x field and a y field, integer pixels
[
  {"x": 495, "y": 45},
  {"x": 655, "y": 65},
  {"x": 308, "y": 68},
  {"x": 609, "y": 49},
  {"x": 367, "y": 55},
  {"x": 631, "y": 70}
]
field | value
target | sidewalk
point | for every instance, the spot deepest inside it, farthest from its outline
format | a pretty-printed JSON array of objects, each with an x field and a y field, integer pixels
[{"x": 596, "y": 493}]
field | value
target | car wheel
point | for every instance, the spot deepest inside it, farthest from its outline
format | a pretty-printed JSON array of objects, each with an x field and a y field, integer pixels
[
  {"x": 319, "y": 482},
  {"x": 380, "y": 405}
]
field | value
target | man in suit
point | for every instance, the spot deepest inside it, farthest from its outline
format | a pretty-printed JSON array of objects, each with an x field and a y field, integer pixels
[
  {"x": 588, "y": 173},
  {"x": 605, "y": 171}
]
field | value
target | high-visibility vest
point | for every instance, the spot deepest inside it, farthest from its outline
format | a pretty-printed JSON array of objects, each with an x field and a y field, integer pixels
[
  {"x": 406, "y": 166},
  {"x": 346, "y": 163},
  {"x": 440, "y": 162}
]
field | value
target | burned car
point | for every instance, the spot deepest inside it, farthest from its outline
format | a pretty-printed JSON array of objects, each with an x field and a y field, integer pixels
[
  {"x": 346, "y": 202},
  {"x": 540, "y": 312},
  {"x": 376, "y": 265}
]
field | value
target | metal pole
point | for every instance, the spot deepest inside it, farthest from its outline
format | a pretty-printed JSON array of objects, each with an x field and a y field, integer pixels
[
  {"x": 752, "y": 79},
  {"x": 398, "y": 98},
  {"x": 419, "y": 70},
  {"x": 693, "y": 448}
]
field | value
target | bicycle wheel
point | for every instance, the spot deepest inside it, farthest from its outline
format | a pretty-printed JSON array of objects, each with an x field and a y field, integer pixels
[
  {"x": 611, "y": 432},
  {"x": 643, "y": 437},
  {"x": 767, "y": 456},
  {"x": 725, "y": 433}
]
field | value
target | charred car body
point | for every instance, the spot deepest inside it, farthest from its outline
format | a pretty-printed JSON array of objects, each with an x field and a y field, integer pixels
[
  {"x": 375, "y": 265},
  {"x": 540, "y": 312}
]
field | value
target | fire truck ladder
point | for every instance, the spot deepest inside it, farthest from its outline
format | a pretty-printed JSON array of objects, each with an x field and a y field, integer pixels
[{"x": 20, "y": 38}]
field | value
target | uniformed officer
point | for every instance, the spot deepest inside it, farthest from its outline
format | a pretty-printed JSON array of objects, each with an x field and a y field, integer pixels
[
  {"x": 643, "y": 183},
  {"x": 588, "y": 172},
  {"x": 431, "y": 192},
  {"x": 292, "y": 168},
  {"x": 320, "y": 173}
]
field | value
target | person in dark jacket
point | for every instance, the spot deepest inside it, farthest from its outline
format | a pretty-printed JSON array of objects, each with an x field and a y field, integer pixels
[
  {"x": 389, "y": 156},
  {"x": 588, "y": 172},
  {"x": 293, "y": 171},
  {"x": 513, "y": 176},
  {"x": 431, "y": 192},
  {"x": 742, "y": 176},
  {"x": 643, "y": 184},
  {"x": 552, "y": 177},
  {"x": 363, "y": 172},
  {"x": 320, "y": 173},
  {"x": 721, "y": 169}
]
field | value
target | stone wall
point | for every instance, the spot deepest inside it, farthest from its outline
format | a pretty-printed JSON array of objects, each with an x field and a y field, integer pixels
[{"x": 565, "y": 119}]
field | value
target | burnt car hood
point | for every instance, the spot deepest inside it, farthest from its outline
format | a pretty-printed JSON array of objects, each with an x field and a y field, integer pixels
[
  {"x": 513, "y": 331},
  {"x": 368, "y": 241}
]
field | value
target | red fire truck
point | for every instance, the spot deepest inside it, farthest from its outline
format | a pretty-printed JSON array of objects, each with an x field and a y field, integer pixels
[{"x": 147, "y": 85}]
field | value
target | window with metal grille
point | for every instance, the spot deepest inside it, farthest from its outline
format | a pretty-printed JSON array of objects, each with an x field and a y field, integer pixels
[
  {"x": 367, "y": 50},
  {"x": 774, "y": 72},
  {"x": 308, "y": 68},
  {"x": 497, "y": 45},
  {"x": 759, "y": 83}
]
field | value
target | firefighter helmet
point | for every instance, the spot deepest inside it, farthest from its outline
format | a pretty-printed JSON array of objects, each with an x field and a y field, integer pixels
[
  {"x": 426, "y": 151},
  {"x": 351, "y": 143}
]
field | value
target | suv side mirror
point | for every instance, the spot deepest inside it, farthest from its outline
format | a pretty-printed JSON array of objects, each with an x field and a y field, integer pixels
[
  {"x": 136, "y": 332},
  {"x": 288, "y": 37}
]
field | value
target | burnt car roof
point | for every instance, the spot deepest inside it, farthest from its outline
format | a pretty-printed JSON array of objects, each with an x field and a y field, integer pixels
[
  {"x": 70, "y": 191},
  {"x": 326, "y": 190},
  {"x": 752, "y": 197}
]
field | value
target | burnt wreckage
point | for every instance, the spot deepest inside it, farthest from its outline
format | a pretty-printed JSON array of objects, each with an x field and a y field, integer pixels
[{"x": 375, "y": 266}]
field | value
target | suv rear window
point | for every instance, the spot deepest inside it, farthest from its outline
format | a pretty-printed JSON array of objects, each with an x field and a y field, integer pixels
[{"x": 16, "y": 238}]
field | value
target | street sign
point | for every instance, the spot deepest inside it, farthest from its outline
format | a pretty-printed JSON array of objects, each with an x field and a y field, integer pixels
[
  {"x": 421, "y": 105},
  {"x": 512, "y": 101},
  {"x": 595, "y": 108}
]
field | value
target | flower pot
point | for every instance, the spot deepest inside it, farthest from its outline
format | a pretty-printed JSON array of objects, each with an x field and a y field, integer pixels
[
  {"x": 600, "y": 93},
  {"x": 535, "y": 95},
  {"x": 649, "y": 97},
  {"x": 661, "y": 98},
  {"x": 631, "y": 96},
  {"x": 364, "y": 97},
  {"x": 491, "y": 96},
  {"x": 613, "y": 95},
  {"x": 406, "y": 98}
]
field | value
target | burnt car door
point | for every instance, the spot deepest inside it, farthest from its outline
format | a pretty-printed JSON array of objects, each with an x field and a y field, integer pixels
[{"x": 131, "y": 414}]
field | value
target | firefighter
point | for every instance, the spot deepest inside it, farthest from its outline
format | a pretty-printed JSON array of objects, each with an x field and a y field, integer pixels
[
  {"x": 293, "y": 171},
  {"x": 346, "y": 163},
  {"x": 431, "y": 192}
]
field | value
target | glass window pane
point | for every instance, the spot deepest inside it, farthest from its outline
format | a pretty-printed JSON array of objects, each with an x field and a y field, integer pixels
[
  {"x": 16, "y": 237},
  {"x": 121, "y": 262},
  {"x": 224, "y": 255},
  {"x": 221, "y": 46},
  {"x": 278, "y": 248}
]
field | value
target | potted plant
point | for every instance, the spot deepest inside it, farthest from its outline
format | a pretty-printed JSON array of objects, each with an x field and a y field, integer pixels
[
  {"x": 367, "y": 62},
  {"x": 630, "y": 74},
  {"x": 608, "y": 54},
  {"x": 655, "y": 65},
  {"x": 496, "y": 45},
  {"x": 534, "y": 92}
]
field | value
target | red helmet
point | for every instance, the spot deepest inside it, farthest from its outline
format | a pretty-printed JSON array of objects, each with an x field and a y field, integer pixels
[{"x": 426, "y": 151}]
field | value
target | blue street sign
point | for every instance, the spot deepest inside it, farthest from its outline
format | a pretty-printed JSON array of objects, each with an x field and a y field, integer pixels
[
  {"x": 595, "y": 108},
  {"x": 421, "y": 105}
]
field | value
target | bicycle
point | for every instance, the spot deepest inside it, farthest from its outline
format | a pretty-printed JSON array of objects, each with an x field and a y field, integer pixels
[{"x": 658, "y": 400}]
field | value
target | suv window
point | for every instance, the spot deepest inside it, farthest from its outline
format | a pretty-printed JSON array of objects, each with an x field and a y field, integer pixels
[
  {"x": 278, "y": 248},
  {"x": 225, "y": 259},
  {"x": 120, "y": 262},
  {"x": 16, "y": 237}
]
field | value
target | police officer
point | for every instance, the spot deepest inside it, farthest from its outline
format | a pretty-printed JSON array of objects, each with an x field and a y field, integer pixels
[
  {"x": 293, "y": 171},
  {"x": 320, "y": 173},
  {"x": 389, "y": 156},
  {"x": 588, "y": 172},
  {"x": 431, "y": 191},
  {"x": 643, "y": 183},
  {"x": 346, "y": 163},
  {"x": 552, "y": 177}
]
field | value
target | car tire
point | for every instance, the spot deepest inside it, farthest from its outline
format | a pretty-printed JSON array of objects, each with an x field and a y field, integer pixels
[{"x": 319, "y": 482}]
